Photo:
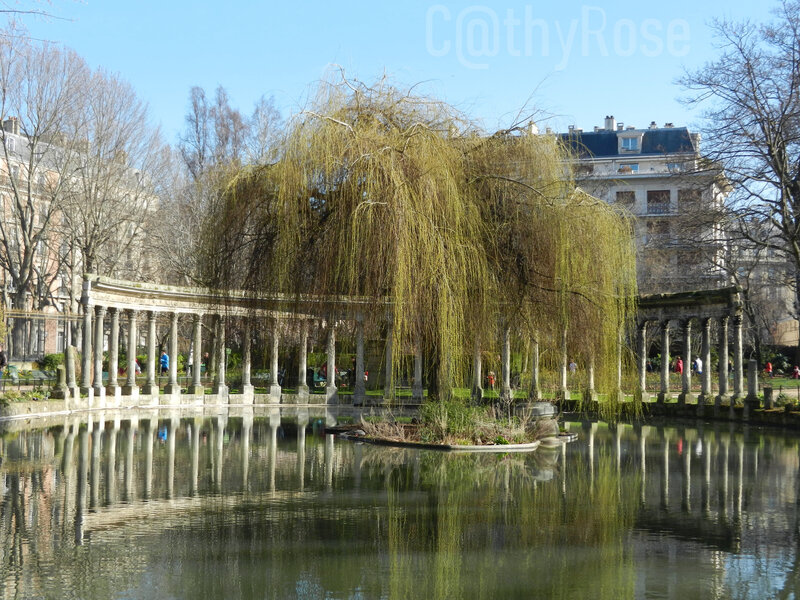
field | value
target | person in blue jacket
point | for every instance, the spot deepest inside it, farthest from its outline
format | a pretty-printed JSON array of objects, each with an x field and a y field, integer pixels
[{"x": 164, "y": 362}]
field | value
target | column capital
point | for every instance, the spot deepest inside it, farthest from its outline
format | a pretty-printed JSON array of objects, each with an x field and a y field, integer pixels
[{"x": 100, "y": 310}]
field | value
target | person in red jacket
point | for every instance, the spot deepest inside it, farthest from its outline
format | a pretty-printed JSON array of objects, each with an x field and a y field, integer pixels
[{"x": 679, "y": 366}]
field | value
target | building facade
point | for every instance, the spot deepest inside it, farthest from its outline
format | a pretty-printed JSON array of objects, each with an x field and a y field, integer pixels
[{"x": 657, "y": 174}]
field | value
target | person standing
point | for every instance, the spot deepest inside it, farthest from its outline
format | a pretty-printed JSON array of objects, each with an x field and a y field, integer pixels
[
  {"x": 164, "y": 362},
  {"x": 679, "y": 366}
]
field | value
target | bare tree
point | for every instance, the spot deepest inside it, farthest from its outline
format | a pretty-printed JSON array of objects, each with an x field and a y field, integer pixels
[
  {"x": 40, "y": 88},
  {"x": 115, "y": 178},
  {"x": 751, "y": 100}
]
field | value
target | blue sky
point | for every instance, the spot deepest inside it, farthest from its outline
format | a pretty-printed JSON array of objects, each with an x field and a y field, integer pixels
[{"x": 575, "y": 61}]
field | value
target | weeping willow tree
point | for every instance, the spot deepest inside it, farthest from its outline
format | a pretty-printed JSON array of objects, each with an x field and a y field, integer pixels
[{"x": 402, "y": 202}]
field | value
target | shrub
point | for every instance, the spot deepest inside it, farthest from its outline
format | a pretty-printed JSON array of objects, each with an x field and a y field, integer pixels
[{"x": 50, "y": 362}]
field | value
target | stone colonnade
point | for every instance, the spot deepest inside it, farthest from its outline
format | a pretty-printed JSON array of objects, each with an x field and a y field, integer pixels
[
  {"x": 113, "y": 308},
  {"x": 678, "y": 313}
]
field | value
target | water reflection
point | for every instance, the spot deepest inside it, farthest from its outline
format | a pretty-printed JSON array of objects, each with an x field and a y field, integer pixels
[{"x": 269, "y": 505}]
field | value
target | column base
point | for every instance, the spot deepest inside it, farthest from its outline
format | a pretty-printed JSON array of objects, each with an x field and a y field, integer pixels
[
  {"x": 248, "y": 394},
  {"x": 60, "y": 393},
  {"x": 149, "y": 390},
  {"x": 303, "y": 395},
  {"x": 590, "y": 395},
  {"x": 197, "y": 390},
  {"x": 220, "y": 389},
  {"x": 644, "y": 396},
  {"x": 275, "y": 392},
  {"x": 172, "y": 388},
  {"x": 685, "y": 398},
  {"x": 331, "y": 395},
  {"x": 663, "y": 396},
  {"x": 562, "y": 395},
  {"x": 130, "y": 390}
]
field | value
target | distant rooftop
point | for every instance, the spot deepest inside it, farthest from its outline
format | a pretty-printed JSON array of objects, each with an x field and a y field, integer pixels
[{"x": 654, "y": 140}]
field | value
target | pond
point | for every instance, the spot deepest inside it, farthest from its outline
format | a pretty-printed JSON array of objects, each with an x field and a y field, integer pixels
[{"x": 158, "y": 505}]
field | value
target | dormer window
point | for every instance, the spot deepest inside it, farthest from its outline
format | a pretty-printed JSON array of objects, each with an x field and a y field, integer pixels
[{"x": 630, "y": 144}]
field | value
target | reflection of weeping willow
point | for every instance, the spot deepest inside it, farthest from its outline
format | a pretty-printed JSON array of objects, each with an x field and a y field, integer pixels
[
  {"x": 478, "y": 503},
  {"x": 400, "y": 200}
]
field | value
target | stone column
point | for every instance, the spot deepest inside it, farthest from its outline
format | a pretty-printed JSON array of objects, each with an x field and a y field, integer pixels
[
  {"x": 220, "y": 387},
  {"x": 564, "y": 390},
  {"x": 705, "y": 356},
  {"x": 505, "y": 390},
  {"x": 359, "y": 389},
  {"x": 388, "y": 381},
  {"x": 590, "y": 394},
  {"x": 274, "y": 385},
  {"x": 752, "y": 401},
  {"x": 641, "y": 344},
  {"x": 738, "y": 360},
  {"x": 113, "y": 389},
  {"x": 72, "y": 384},
  {"x": 99, "y": 324},
  {"x": 331, "y": 392},
  {"x": 197, "y": 347},
  {"x": 173, "y": 387},
  {"x": 663, "y": 395},
  {"x": 151, "y": 387},
  {"x": 477, "y": 372},
  {"x": 686, "y": 379},
  {"x": 535, "y": 393},
  {"x": 247, "y": 363},
  {"x": 416, "y": 386},
  {"x": 723, "y": 362},
  {"x": 302, "y": 382},
  {"x": 86, "y": 359},
  {"x": 130, "y": 388}
]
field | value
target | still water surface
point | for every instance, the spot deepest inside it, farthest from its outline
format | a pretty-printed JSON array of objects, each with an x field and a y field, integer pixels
[{"x": 256, "y": 507}]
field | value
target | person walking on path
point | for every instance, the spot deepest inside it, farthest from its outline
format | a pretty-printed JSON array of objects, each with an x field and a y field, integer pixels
[{"x": 164, "y": 362}]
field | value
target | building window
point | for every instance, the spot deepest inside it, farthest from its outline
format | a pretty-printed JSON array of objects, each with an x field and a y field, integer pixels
[
  {"x": 628, "y": 168},
  {"x": 626, "y": 198},
  {"x": 674, "y": 167},
  {"x": 630, "y": 144},
  {"x": 658, "y": 202},
  {"x": 11, "y": 144},
  {"x": 689, "y": 200}
]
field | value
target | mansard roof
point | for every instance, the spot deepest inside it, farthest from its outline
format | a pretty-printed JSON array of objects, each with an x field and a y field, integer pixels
[{"x": 603, "y": 143}]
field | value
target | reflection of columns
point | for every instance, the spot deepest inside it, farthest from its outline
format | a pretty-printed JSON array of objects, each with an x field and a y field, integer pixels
[
  {"x": 220, "y": 387},
  {"x": 663, "y": 395},
  {"x": 563, "y": 392},
  {"x": 665, "y": 478},
  {"x": 592, "y": 432},
  {"x": 329, "y": 461},
  {"x": 111, "y": 463},
  {"x": 220, "y": 422},
  {"x": 477, "y": 372},
  {"x": 706, "y": 490},
  {"x": 150, "y": 387},
  {"x": 172, "y": 429},
  {"x": 247, "y": 432},
  {"x": 86, "y": 359},
  {"x": 331, "y": 393},
  {"x": 641, "y": 345},
  {"x": 416, "y": 386},
  {"x": 195, "y": 447},
  {"x": 197, "y": 356},
  {"x": 130, "y": 493},
  {"x": 388, "y": 380},
  {"x": 97, "y": 434},
  {"x": 686, "y": 380},
  {"x": 113, "y": 389},
  {"x": 302, "y": 369},
  {"x": 173, "y": 387},
  {"x": 83, "y": 476},
  {"x": 359, "y": 389},
  {"x": 643, "y": 431},
  {"x": 705, "y": 356},
  {"x": 100, "y": 314},
  {"x": 69, "y": 359},
  {"x": 723, "y": 493},
  {"x": 274, "y": 385},
  {"x": 534, "y": 393},
  {"x": 302, "y": 421},
  {"x": 738, "y": 360},
  {"x": 737, "y": 510},
  {"x": 687, "y": 476},
  {"x": 723, "y": 362},
  {"x": 274, "y": 423},
  {"x": 148, "y": 457},
  {"x": 247, "y": 363}
]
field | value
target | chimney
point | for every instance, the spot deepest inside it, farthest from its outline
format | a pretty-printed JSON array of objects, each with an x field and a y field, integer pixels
[
  {"x": 548, "y": 130},
  {"x": 571, "y": 128},
  {"x": 596, "y": 129},
  {"x": 620, "y": 126},
  {"x": 695, "y": 137},
  {"x": 533, "y": 129},
  {"x": 669, "y": 125},
  {"x": 653, "y": 125},
  {"x": 631, "y": 127},
  {"x": 11, "y": 125},
  {"x": 610, "y": 123}
]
